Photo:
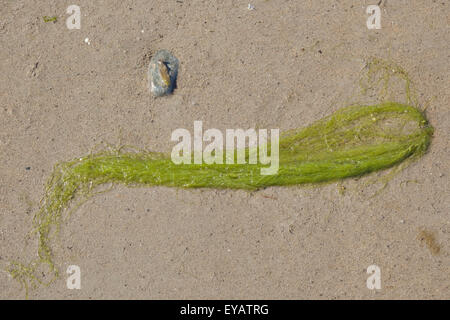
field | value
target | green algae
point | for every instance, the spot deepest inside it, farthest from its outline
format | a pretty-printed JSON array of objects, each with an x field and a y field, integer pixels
[
  {"x": 351, "y": 142},
  {"x": 50, "y": 19}
]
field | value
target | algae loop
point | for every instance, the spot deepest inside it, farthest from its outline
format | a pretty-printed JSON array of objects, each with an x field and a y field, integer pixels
[{"x": 353, "y": 141}]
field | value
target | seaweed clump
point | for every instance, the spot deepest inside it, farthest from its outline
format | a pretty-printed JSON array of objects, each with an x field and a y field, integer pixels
[{"x": 353, "y": 141}]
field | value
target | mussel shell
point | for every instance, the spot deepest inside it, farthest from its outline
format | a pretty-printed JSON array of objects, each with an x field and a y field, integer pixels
[{"x": 170, "y": 64}]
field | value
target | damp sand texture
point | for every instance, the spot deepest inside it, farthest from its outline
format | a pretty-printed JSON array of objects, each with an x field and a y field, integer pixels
[{"x": 354, "y": 141}]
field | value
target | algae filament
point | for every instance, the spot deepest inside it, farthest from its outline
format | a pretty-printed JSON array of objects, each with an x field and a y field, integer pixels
[{"x": 353, "y": 141}]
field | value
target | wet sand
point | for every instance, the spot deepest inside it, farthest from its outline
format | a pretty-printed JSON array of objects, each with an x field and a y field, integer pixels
[{"x": 282, "y": 65}]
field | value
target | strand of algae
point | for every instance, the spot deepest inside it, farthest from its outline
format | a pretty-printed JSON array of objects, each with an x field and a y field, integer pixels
[
  {"x": 50, "y": 19},
  {"x": 353, "y": 141}
]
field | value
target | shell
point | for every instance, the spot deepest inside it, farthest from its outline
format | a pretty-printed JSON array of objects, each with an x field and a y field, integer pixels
[{"x": 162, "y": 73}]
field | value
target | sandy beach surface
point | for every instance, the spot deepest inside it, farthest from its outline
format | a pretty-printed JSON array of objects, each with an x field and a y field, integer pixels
[{"x": 283, "y": 64}]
